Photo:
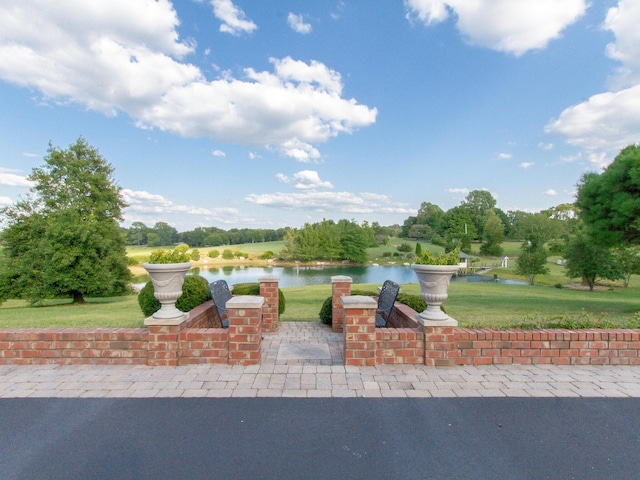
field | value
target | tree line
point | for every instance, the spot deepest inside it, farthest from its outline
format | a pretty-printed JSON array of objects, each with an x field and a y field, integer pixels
[{"x": 163, "y": 234}]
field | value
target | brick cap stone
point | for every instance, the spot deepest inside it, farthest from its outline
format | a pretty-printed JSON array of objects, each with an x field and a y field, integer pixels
[
  {"x": 269, "y": 278},
  {"x": 358, "y": 301},
  {"x": 245, "y": 301},
  {"x": 341, "y": 279},
  {"x": 153, "y": 321},
  {"x": 450, "y": 322}
]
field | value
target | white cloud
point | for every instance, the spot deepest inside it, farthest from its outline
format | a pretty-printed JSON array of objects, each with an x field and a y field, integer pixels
[
  {"x": 545, "y": 146},
  {"x": 145, "y": 206},
  {"x": 623, "y": 22},
  {"x": 512, "y": 26},
  {"x": 254, "y": 155},
  {"x": 304, "y": 180},
  {"x": 5, "y": 201},
  {"x": 551, "y": 193},
  {"x": 297, "y": 23},
  {"x": 126, "y": 56},
  {"x": 504, "y": 156},
  {"x": 13, "y": 180},
  {"x": 526, "y": 165},
  {"x": 218, "y": 153},
  {"x": 608, "y": 121},
  {"x": 464, "y": 191},
  {"x": 30, "y": 155},
  {"x": 342, "y": 202},
  {"x": 233, "y": 18}
]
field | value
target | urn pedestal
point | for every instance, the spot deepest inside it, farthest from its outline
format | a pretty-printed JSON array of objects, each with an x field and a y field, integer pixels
[
  {"x": 167, "y": 279},
  {"x": 434, "y": 289}
]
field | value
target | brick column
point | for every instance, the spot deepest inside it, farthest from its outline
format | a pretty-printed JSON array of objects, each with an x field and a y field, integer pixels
[
  {"x": 245, "y": 329},
  {"x": 440, "y": 348},
  {"x": 340, "y": 287},
  {"x": 359, "y": 330},
  {"x": 269, "y": 291},
  {"x": 164, "y": 340}
]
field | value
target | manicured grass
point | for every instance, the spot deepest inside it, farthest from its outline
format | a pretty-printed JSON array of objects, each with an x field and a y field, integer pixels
[
  {"x": 112, "y": 312},
  {"x": 472, "y": 304}
]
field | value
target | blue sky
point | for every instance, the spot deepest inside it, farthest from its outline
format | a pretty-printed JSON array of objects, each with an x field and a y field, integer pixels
[{"x": 238, "y": 113}]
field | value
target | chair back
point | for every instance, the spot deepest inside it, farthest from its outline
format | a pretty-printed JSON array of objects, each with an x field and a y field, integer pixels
[
  {"x": 220, "y": 294},
  {"x": 386, "y": 300}
]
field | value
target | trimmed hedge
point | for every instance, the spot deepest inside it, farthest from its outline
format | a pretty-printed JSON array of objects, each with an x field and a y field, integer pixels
[
  {"x": 195, "y": 291},
  {"x": 412, "y": 301}
]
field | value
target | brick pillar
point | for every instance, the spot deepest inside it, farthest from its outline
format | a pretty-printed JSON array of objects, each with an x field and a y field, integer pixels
[
  {"x": 340, "y": 287},
  {"x": 164, "y": 340},
  {"x": 269, "y": 291},
  {"x": 440, "y": 349},
  {"x": 245, "y": 329},
  {"x": 359, "y": 330}
]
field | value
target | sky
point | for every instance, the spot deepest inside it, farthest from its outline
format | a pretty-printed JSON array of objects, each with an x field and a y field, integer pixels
[{"x": 267, "y": 114}]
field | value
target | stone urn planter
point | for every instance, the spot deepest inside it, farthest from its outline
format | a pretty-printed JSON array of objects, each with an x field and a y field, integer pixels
[
  {"x": 434, "y": 274},
  {"x": 167, "y": 282},
  {"x": 434, "y": 289}
]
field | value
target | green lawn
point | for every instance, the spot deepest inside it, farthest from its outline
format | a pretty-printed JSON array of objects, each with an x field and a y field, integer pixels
[{"x": 472, "y": 304}]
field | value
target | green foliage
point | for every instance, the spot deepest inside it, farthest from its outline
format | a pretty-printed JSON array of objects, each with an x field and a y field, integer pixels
[
  {"x": 418, "y": 249},
  {"x": 609, "y": 203},
  {"x": 254, "y": 289},
  {"x": 239, "y": 254},
  {"x": 63, "y": 240},
  {"x": 493, "y": 235},
  {"x": 195, "y": 255},
  {"x": 326, "y": 311},
  {"x": 266, "y": 255},
  {"x": 412, "y": 301},
  {"x": 404, "y": 247},
  {"x": 531, "y": 262},
  {"x": 214, "y": 253},
  {"x": 177, "y": 255},
  {"x": 195, "y": 291},
  {"x": 428, "y": 258},
  {"x": 577, "y": 321},
  {"x": 589, "y": 261},
  {"x": 227, "y": 254}
]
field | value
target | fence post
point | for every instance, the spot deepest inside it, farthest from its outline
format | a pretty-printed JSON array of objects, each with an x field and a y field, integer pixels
[
  {"x": 269, "y": 291},
  {"x": 359, "y": 330},
  {"x": 340, "y": 287},
  {"x": 245, "y": 329},
  {"x": 164, "y": 340}
]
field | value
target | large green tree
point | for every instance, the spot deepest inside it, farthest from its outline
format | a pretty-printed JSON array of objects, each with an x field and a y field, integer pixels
[
  {"x": 588, "y": 260},
  {"x": 63, "y": 238},
  {"x": 609, "y": 203}
]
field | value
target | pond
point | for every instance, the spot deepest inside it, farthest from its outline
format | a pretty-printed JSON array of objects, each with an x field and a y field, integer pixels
[{"x": 321, "y": 275}]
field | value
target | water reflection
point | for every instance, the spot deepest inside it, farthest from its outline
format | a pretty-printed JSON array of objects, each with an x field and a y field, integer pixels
[{"x": 319, "y": 275}]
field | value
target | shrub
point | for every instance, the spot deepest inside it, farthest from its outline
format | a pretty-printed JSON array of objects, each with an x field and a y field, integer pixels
[
  {"x": 177, "y": 255},
  {"x": 254, "y": 289},
  {"x": 239, "y": 254},
  {"x": 195, "y": 255},
  {"x": 214, "y": 253},
  {"x": 227, "y": 254},
  {"x": 266, "y": 255},
  {"x": 412, "y": 301},
  {"x": 386, "y": 254},
  {"x": 195, "y": 291},
  {"x": 404, "y": 247},
  {"x": 326, "y": 311}
]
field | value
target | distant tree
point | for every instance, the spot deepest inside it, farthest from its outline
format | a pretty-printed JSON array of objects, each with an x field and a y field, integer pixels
[
  {"x": 459, "y": 229},
  {"x": 588, "y": 260},
  {"x": 353, "y": 241},
  {"x": 479, "y": 203},
  {"x": 628, "y": 261},
  {"x": 166, "y": 233},
  {"x": 418, "y": 249},
  {"x": 493, "y": 235},
  {"x": 137, "y": 234},
  {"x": 609, "y": 203},
  {"x": 532, "y": 261},
  {"x": 63, "y": 240},
  {"x": 153, "y": 240}
]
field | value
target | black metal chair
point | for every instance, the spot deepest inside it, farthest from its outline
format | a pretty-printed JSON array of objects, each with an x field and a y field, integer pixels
[
  {"x": 386, "y": 300},
  {"x": 220, "y": 294}
]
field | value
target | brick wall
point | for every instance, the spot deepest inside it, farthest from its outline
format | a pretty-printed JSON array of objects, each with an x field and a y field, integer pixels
[
  {"x": 407, "y": 342},
  {"x": 67, "y": 346}
]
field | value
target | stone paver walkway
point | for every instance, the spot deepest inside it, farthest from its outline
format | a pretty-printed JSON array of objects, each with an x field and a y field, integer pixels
[{"x": 305, "y": 360}]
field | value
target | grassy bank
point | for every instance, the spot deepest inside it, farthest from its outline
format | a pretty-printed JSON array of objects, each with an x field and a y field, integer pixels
[{"x": 472, "y": 304}]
